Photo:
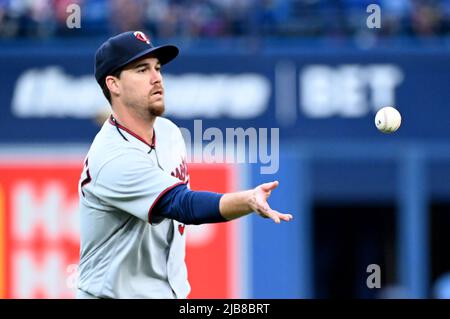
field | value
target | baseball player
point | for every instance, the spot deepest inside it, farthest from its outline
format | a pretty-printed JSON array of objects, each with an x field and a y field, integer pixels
[{"x": 134, "y": 195}]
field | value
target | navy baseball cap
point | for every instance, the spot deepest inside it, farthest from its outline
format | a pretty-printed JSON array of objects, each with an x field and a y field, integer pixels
[{"x": 126, "y": 47}]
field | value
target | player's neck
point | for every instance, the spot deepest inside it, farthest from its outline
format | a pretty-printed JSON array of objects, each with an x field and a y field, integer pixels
[{"x": 141, "y": 127}]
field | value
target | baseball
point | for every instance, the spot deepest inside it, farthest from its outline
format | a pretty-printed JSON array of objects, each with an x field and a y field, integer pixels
[{"x": 388, "y": 119}]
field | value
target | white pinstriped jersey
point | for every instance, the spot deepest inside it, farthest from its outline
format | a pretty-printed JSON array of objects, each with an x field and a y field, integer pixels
[{"x": 122, "y": 254}]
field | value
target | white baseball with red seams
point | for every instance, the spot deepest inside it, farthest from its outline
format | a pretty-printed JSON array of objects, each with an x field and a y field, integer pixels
[{"x": 388, "y": 119}]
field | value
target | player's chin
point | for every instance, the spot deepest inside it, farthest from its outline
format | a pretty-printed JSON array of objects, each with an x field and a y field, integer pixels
[{"x": 157, "y": 109}]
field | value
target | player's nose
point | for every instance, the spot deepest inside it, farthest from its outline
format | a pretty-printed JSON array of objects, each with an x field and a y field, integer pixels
[{"x": 155, "y": 77}]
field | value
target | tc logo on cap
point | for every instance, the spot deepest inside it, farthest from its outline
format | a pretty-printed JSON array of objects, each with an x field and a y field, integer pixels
[{"x": 141, "y": 36}]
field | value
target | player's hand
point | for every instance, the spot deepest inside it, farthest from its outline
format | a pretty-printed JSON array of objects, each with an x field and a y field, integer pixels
[{"x": 260, "y": 205}]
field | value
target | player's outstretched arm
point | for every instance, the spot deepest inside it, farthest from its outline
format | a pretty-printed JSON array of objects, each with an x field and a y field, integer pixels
[
  {"x": 199, "y": 207},
  {"x": 235, "y": 205}
]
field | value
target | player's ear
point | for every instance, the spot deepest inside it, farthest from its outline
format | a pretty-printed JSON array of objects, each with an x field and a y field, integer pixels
[{"x": 112, "y": 84}]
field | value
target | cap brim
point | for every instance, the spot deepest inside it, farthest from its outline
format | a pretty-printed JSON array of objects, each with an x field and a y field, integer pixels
[{"x": 164, "y": 53}]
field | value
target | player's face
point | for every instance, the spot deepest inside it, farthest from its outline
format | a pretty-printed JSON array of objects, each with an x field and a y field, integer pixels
[{"x": 141, "y": 87}]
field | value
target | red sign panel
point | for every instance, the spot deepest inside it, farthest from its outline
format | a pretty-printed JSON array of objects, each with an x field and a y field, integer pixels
[
  {"x": 211, "y": 255},
  {"x": 39, "y": 232}
]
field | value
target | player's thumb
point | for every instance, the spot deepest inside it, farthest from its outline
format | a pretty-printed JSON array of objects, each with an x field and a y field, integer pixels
[{"x": 269, "y": 186}]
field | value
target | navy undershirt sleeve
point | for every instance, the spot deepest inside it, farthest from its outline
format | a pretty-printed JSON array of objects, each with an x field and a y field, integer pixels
[{"x": 189, "y": 207}]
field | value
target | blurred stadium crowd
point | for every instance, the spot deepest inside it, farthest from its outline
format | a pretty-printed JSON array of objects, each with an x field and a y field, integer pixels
[{"x": 224, "y": 18}]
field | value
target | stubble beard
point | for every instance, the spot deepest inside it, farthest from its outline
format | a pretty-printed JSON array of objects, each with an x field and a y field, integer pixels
[
  {"x": 156, "y": 110},
  {"x": 147, "y": 110}
]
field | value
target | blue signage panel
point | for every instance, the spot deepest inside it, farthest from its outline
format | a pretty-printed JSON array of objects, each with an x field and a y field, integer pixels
[{"x": 49, "y": 94}]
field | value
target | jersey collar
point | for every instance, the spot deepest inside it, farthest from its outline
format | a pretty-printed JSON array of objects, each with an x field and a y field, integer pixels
[{"x": 114, "y": 122}]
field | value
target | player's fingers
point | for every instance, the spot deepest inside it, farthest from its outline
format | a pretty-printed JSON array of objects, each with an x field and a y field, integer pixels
[
  {"x": 267, "y": 187},
  {"x": 265, "y": 211},
  {"x": 285, "y": 217},
  {"x": 272, "y": 214}
]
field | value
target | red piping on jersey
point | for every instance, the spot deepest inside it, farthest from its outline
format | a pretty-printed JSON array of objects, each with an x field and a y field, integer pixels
[
  {"x": 88, "y": 178},
  {"x": 115, "y": 123},
  {"x": 159, "y": 197}
]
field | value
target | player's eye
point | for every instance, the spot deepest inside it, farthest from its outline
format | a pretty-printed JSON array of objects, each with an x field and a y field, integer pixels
[{"x": 142, "y": 70}]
